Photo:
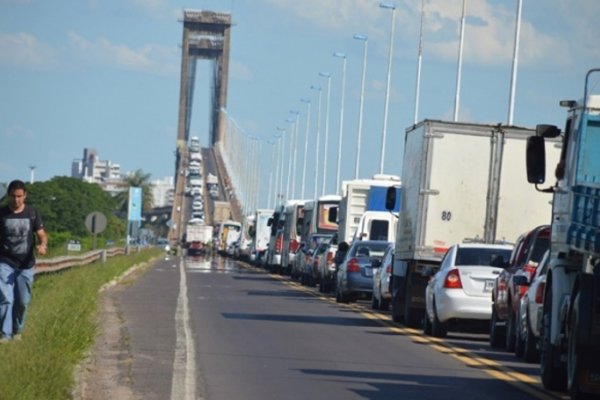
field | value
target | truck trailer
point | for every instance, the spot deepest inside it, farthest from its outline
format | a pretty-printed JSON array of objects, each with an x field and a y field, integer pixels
[{"x": 461, "y": 182}]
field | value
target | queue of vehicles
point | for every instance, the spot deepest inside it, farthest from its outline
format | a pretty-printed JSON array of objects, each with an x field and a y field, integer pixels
[{"x": 475, "y": 247}]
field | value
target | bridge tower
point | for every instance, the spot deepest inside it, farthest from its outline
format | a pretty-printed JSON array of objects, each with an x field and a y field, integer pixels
[{"x": 206, "y": 36}]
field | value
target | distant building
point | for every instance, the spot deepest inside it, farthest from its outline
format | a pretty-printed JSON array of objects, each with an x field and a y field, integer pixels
[
  {"x": 163, "y": 192},
  {"x": 102, "y": 172}
]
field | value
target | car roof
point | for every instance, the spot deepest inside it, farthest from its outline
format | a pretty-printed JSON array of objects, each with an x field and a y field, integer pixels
[{"x": 485, "y": 246}]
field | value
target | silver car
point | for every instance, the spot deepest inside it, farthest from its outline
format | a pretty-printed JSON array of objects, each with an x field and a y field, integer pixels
[
  {"x": 355, "y": 275},
  {"x": 382, "y": 271}
]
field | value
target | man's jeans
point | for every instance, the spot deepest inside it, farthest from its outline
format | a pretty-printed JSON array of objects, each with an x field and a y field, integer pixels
[{"x": 15, "y": 295}]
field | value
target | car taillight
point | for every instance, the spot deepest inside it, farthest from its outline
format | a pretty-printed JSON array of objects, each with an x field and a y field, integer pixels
[
  {"x": 353, "y": 265},
  {"x": 279, "y": 243},
  {"x": 294, "y": 245},
  {"x": 453, "y": 280},
  {"x": 388, "y": 269},
  {"x": 539, "y": 293}
]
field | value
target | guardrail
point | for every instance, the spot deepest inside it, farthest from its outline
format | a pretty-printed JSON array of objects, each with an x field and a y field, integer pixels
[{"x": 44, "y": 266}]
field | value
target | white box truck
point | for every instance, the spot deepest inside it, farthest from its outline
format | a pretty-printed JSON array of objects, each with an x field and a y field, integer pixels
[
  {"x": 460, "y": 182},
  {"x": 358, "y": 197}
]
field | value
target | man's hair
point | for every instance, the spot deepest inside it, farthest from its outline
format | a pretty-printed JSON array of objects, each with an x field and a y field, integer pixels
[{"x": 15, "y": 185}]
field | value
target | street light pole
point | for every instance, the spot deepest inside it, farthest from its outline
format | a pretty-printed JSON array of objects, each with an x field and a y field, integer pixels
[
  {"x": 387, "y": 87},
  {"x": 307, "y": 101},
  {"x": 297, "y": 114},
  {"x": 325, "y": 171},
  {"x": 288, "y": 190},
  {"x": 365, "y": 40},
  {"x": 340, "y": 139},
  {"x": 283, "y": 131},
  {"x": 316, "y": 174}
]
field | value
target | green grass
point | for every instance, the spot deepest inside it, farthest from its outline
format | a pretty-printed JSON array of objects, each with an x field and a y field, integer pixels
[{"x": 59, "y": 329}]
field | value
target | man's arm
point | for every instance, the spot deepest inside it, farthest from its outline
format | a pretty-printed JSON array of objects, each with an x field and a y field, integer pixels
[{"x": 42, "y": 247}]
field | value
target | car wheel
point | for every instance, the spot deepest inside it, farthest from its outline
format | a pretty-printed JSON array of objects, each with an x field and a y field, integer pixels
[
  {"x": 496, "y": 332},
  {"x": 509, "y": 343},
  {"x": 426, "y": 324},
  {"x": 384, "y": 304},
  {"x": 552, "y": 373},
  {"x": 438, "y": 328},
  {"x": 530, "y": 351},
  {"x": 374, "y": 302},
  {"x": 519, "y": 337}
]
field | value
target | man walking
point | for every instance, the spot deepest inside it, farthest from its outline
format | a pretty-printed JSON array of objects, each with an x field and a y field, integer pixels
[{"x": 18, "y": 224}]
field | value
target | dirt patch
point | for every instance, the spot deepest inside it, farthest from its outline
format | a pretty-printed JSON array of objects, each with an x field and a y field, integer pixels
[{"x": 106, "y": 373}]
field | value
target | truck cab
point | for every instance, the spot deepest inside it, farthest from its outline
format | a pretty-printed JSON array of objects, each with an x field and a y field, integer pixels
[{"x": 570, "y": 331}]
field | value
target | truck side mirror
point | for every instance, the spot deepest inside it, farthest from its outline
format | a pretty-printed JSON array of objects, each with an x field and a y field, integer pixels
[
  {"x": 390, "y": 198},
  {"x": 536, "y": 160},
  {"x": 332, "y": 215},
  {"x": 547, "y": 131}
]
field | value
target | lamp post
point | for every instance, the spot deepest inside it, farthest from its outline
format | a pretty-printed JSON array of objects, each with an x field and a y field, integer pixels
[
  {"x": 288, "y": 187},
  {"x": 387, "y": 87},
  {"x": 307, "y": 101},
  {"x": 282, "y": 130},
  {"x": 341, "y": 134},
  {"x": 324, "y": 183},
  {"x": 365, "y": 40},
  {"x": 277, "y": 169},
  {"x": 297, "y": 114},
  {"x": 316, "y": 174},
  {"x": 459, "y": 68}
]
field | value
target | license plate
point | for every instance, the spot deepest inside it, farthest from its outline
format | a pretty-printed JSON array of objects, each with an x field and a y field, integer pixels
[{"x": 489, "y": 285}]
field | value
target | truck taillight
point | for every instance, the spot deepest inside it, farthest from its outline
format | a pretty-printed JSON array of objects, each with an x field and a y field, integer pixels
[
  {"x": 294, "y": 245},
  {"x": 279, "y": 243},
  {"x": 353, "y": 265},
  {"x": 452, "y": 280},
  {"x": 539, "y": 293}
]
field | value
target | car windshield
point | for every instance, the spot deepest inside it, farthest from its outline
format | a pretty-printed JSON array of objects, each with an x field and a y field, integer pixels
[
  {"x": 369, "y": 249},
  {"x": 481, "y": 256}
]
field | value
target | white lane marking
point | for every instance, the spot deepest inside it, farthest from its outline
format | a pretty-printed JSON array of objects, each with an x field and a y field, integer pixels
[{"x": 183, "y": 385}]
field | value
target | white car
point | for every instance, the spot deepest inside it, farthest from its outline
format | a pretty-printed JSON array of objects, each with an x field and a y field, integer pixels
[
  {"x": 458, "y": 296},
  {"x": 531, "y": 311},
  {"x": 381, "y": 280},
  {"x": 197, "y": 206}
]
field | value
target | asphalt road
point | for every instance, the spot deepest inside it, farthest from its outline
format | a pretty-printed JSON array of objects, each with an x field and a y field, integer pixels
[{"x": 216, "y": 329}]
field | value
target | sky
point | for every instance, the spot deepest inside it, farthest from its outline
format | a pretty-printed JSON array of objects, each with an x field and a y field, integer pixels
[{"x": 106, "y": 75}]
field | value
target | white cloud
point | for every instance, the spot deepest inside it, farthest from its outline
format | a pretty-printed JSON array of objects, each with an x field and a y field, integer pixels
[
  {"x": 156, "y": 59},
  {"x": 24, "y": 50},
  {"x": 18, "y": 132}
]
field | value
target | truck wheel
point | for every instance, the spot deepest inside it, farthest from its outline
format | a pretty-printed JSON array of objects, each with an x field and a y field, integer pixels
[
  {"x": 396, "y": 309},
  {"x": 509, "y": 343},
  {"x": 552, "y": 373},
  {"x": 579, "y": 358},
  {"x": 497, "y": 333}
]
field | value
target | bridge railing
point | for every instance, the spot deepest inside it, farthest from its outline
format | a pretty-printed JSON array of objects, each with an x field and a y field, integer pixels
[{"x": 49, "y": 265}]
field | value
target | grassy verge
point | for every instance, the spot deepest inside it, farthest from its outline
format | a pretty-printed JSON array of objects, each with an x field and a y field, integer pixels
[{"x": 59, "y": 330}]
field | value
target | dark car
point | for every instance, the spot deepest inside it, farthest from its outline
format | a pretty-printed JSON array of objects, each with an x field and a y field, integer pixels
[
  {"x": 525, "y": 258},
  {"x": 355, "y": 274}
]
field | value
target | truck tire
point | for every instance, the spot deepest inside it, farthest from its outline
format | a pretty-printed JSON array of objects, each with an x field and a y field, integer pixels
[
  {"x": 497, "y": 333},
  {"x": 552, "y": 371},
  {"x": 580, "y": 355},
  {"x": 397, "y": 308}
]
